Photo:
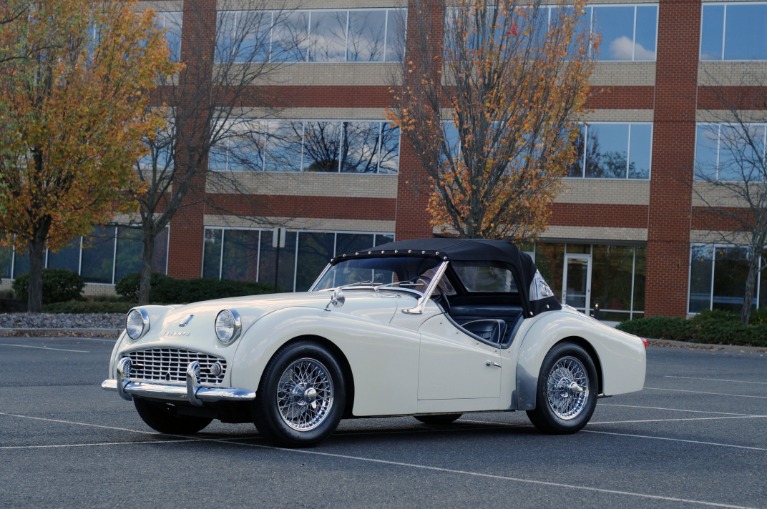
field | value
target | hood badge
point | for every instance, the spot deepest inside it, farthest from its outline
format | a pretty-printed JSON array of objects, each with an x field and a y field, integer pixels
[{"x": 186, "y": 321}]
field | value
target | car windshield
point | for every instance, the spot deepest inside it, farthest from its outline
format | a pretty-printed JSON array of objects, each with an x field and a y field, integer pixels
[{"x": 402, "y": 271}]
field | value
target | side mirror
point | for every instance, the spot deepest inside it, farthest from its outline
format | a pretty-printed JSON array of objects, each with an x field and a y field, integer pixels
[{"x": 337, "y": 299}]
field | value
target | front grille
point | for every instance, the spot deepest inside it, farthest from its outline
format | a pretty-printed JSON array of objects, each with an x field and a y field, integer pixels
[{"x": 169, "y": 365}]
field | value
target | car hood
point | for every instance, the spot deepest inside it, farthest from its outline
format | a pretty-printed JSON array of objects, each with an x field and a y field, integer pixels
[{"x": 194, "y": 323}]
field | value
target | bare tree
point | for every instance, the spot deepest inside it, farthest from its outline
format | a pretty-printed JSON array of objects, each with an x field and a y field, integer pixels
[
  {"x": 514, "y": 77},
  {"x": 228, "y": 56},
  {"x": 731, "y": 168}
]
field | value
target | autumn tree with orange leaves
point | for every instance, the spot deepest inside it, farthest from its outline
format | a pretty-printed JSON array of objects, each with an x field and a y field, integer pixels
[
  {"x": 74, "y": 82},
  {"x": 490, "y": 98}
]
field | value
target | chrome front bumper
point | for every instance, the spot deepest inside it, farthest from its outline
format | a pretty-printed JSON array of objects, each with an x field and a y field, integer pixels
[{"x": 192, "y": 392}]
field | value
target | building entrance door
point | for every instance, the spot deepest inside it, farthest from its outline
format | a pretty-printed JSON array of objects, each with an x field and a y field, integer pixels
[{"x": 576, "y": 282}]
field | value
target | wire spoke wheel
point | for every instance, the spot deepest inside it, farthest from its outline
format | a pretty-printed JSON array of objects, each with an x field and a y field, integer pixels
[
  {"x": 305, "y": 394},
  {"x": 567, "y": 388}
]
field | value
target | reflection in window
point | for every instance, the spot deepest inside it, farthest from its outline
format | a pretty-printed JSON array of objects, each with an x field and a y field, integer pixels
[
  {"x": 314, "y": 146},
  {"x": 249, "y": 254},
  {"x": 613, "y": 150},
  {"x": 730, "y": 152},
  {"x": 67, "y": 258},
  {"x": 628, "y": 33},
  {"x": 734, "y": 32},
  {"x": 327, "y": 35},
  {"x": 98, "y": 255},
  {"x": 171, "y": 23},
  {"x": 718, "y": 277}
]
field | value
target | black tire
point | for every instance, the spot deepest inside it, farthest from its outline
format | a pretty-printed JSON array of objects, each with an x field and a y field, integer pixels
[
  {"x": 561, "y": 407},
  {"x": 159, "y": 417},
  {"x": 303, "y": 412},
  {"x": 438, "y": 419}
]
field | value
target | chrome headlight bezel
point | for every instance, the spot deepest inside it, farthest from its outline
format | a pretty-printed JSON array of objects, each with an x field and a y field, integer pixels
[
  {"x": 228, "y": 326},
  {"x": 140, "y": 319}
]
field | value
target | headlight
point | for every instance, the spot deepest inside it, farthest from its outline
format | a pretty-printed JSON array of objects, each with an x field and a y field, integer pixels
[
  {"x": 136, "y": 323},
  {"x": 228, "y": 326}
]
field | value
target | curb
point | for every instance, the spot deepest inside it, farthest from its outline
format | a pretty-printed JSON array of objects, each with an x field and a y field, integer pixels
[
  {"x": 668, "y": 343},
  {"x": 72, "y": 332}
]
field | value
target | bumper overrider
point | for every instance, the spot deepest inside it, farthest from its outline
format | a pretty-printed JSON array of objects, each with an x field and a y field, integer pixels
[{"x": 192, "y": 392}]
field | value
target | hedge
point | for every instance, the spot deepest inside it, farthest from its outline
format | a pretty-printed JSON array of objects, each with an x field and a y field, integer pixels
[
  {"x": 715, "y": 327},
  {"x": 166, "y": 290},
  {"x": 58, "y": 286}
]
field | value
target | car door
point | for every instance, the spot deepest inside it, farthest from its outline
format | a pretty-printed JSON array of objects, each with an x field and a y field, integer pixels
[{"x": 454, "y": 366}]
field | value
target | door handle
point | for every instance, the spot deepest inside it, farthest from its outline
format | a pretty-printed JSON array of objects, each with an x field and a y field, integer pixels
[{"x": 492, "y": 364}]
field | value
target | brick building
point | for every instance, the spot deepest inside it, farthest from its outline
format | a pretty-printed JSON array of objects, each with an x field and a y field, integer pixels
[{"x": 633, "y": 240}]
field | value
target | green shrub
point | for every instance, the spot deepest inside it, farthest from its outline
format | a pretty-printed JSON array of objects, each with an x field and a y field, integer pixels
[
  {"x": 89, "y": 306},
  {"x": 128, "y": 286},
  {"x": 716, "y": 327},
  {"x": 659, "y": 327},
  {"x": 58, "y": 286},
  {"x": 171, "y": 291}
]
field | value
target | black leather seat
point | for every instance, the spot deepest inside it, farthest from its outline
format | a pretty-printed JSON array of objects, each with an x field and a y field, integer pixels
[{"x": 489, "y": 329}]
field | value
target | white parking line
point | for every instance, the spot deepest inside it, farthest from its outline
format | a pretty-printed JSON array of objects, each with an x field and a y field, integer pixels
[
  {"x": 603, "y": 405},
  {"x": 232, "y": 441},
  {"x": 95, "y": 444},
  {"x": 697, "y": 442},
  {"x": 708, "y": 393},
  {"x": 715, "y": 380},
  {"x": 45, "y": 348}
]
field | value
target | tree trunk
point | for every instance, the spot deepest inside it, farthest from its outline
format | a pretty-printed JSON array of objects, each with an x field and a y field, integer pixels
[
  {"x": 748, "y": 295},
  {"x": 145, "y": 275},
  {"x": 36, "y": 251}
]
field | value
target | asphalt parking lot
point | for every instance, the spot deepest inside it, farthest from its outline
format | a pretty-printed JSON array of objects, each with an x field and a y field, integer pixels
[{"x": 695, "y": 437}]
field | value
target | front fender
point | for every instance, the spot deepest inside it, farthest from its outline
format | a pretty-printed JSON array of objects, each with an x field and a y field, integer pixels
[
  {"x": 383, "y": 358},
  {"x": 620, "y": 356}
]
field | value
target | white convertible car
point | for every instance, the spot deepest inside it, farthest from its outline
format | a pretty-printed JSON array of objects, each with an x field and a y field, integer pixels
[{"x": 431, "y": 328}]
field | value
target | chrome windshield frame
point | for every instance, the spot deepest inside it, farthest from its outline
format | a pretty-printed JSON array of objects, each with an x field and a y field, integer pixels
[{"x": 421, "y": 305}]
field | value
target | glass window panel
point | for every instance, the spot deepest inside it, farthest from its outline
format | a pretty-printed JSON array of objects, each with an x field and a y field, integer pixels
[
  {"x": 160, "y": 256},
  {"x": 389, "y": 156},
  {"x": 640, "y": 264},
  {"x": 218, "y": 156},
  {"x": 245, "y": 147},
  {"x": 706, "y": 150},
  {"x": 732, "y": 158},
  {"x": 452, "y": 141},
  {"x": 268, "y": 268},
  {"x": 641, "y": 151},
  {"x": 283, "y": 146},
  {"x": 240, "y": 255},
  {"x": 549, "y": 258},
  {"x": 712, "y": 32},
  {"x": 226, "y": 30},
  {"x": 328, "y": 36},
  {"x": 129, "y": 250},
  {"x": 607, "y": 146},
  {"x": 395, "y": 35},
  {"x": 211, "y": 253},
  {"x": 745, "y": 34},
  {"x": 20, "y": 262},
  {"x": 612, "y": 275},
  {"x": 384, "y": 238},
  {"x": 646, "y": 31},
  {"x": 252, "y": 37},
  {"x": 367, "y": 36},
  {"x": 730, "y": 272},
  {"x": 347, "y": 243},
  {"x": 577, "y": 168},
  {"x": 616, "y": 28},
  {"x": 701, "y": 258},
  {"x": 98, "y": 255},
  {"x": 67, "y": 258},
  {"x": 360, "y": 149},
  {"x": 322, "y": 146},
  {"x": 6, "y": 259},
  {"x": 290, "y": 37},
  {"x": 314, "y": 252},
  {"x": 171, "y": 22}
]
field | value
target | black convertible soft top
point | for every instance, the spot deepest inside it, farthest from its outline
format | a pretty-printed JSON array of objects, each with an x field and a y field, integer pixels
[{"x": 481, "y": 250}]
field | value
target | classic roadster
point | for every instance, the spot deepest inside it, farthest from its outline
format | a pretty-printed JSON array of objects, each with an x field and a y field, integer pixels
[{"x": 431, "y": 328}]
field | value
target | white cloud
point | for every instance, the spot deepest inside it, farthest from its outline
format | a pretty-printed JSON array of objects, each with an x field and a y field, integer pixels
[{"x": 622, "y": 48}]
